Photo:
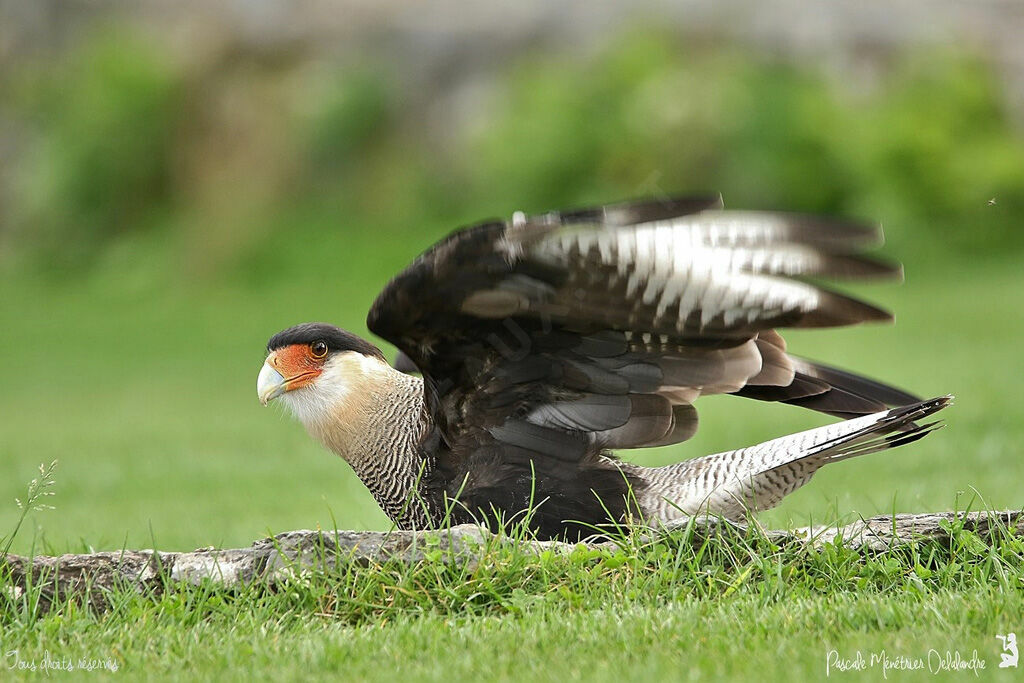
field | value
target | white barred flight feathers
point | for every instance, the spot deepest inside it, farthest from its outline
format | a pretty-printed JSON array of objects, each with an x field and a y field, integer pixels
[{"x": 544, "y": 343}]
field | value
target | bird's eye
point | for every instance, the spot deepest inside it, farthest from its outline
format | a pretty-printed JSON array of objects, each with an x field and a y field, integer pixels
[{"x": 318, "y": 349}]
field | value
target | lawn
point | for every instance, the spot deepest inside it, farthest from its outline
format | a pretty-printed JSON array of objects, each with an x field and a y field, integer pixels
[{"x": 144, "y": 389}]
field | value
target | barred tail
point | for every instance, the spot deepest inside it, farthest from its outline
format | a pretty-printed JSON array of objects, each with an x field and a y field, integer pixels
[{"x": 759, "y": 477}]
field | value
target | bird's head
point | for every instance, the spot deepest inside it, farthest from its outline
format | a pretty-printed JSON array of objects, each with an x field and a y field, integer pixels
[{"x": 314, "y": 367}]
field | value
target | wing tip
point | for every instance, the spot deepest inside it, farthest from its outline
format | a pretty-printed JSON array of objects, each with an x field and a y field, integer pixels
[
  {"x": 921, "y": 409},
  {"x": 837, "y": 310}
]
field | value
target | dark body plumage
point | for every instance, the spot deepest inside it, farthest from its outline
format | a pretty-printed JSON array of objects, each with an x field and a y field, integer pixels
[{"x": 546, "y": 342}]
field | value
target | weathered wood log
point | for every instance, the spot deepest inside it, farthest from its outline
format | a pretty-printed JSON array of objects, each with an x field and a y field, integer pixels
[{"x": 297, "y": 551}]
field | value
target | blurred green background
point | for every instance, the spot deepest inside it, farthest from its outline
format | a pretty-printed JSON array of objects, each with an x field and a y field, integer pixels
[{"x": 164, "y": 209}]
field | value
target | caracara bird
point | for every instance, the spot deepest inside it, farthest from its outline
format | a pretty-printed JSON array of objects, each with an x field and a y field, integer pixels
[{"x": 547, "y": 342}]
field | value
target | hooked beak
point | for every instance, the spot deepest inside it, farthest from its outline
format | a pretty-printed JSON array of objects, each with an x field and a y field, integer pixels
[
  {"x": 286, "y": 369},
  {"x": 270, "y": 384}
]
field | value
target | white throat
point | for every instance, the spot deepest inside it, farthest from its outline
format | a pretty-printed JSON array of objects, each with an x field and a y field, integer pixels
[{"x": 358, "y": 407}]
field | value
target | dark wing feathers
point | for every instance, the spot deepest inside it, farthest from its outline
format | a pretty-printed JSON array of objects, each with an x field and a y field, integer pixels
[
  {"x": 633, "y": 213},
  {"x": 588, "y": 413},
  {"x": 829, "y": 390},
  {"x": 568, "y": 333},
  {"x": 856, "y": 384},
  {"x": 694, "y": 277}
]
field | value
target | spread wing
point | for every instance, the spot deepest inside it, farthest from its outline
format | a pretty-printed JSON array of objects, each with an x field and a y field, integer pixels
[{"x": 561, "y": 335}]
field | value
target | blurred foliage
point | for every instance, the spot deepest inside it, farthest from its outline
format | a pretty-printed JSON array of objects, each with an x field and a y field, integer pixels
[
  {"x": 345, "y": 121},
  {"x": 234, "y": 158},
  {"x": 926, "y": 147},
  {"x": 101, "y": 158}
]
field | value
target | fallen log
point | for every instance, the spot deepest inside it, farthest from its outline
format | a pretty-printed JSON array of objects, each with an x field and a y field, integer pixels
[{"x": 297, "y": 551}]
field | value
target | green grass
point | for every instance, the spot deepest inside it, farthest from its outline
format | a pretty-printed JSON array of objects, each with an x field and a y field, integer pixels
[
  {"x": 143, "y": 389},
  {"x": 684, "y": 607}
]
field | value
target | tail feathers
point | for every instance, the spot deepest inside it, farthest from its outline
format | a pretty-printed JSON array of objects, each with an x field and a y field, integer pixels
[
  {"x": 893, "y": 428},
  {"x": 891, "y": 441},
  {"x": 759, "y": 477}
]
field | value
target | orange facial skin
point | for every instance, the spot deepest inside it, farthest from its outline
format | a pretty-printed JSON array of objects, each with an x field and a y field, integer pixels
[{"x": 297, "y": 365}]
